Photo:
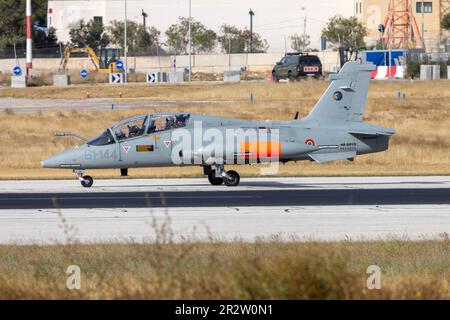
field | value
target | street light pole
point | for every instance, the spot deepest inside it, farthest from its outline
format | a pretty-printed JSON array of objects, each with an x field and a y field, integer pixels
[
  {"x": 144, "y": 18},
  {"x": 304, "y": 22},
  {"x": 251, "y": 13},
  {"x": 190, "y": 43},
  {"x": 125, "y": 45}
]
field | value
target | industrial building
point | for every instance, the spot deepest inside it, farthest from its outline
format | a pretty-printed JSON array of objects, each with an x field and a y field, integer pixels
[
  {"x": 407, "y": 23},
  {"x": 63, "y": 15}
]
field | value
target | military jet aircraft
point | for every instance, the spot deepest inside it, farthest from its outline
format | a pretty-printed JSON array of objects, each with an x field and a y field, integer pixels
[{"x": 333, "y": 130}]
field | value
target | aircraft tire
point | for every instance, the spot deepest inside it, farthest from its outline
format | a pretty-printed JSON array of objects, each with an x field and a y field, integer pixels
[
  {"x": 232, "y": 179},
  {"x": 87, "y": 181},
  {"x": 214, "y": 180}
]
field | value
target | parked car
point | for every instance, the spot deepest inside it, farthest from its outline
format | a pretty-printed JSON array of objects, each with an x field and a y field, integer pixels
[{"x": 297, "y": 65}]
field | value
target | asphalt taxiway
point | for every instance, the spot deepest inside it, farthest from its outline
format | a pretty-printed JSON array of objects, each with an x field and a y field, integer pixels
[{"x": 328, "y": 208}]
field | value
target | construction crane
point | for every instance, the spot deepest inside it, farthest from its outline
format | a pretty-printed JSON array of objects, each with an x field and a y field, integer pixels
[
  {"x": 105, "y": 64},
  {"x": 400, "y": 26}
]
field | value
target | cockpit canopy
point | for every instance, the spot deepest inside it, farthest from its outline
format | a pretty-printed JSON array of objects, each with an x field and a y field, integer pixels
[{"x": 138, "y": 126}]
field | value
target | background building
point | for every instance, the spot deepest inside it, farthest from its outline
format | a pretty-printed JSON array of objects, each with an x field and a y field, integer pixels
[
  {"x": 428, "y": 21},
  {"x": 63, "y": 15}
]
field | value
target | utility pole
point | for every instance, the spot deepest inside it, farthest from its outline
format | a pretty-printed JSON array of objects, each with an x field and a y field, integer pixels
[
  {"x": 423, "y": 24},
  {"x": 144, "y": 19},
  {"x": 251, "y": 13},
  {"x": 190, "y": 43},
  {"x": 229, "y": 53},
  {"x": 29, "y": 41},
  {"x": 304, "y": 22},
  {"x": 125, "y": 45}
]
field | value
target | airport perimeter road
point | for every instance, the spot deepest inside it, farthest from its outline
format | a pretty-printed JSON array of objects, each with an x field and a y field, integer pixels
[{"x": 361, "y": 208}]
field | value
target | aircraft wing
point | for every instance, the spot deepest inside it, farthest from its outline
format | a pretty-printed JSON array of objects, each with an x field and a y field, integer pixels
[{"x": 327, "y": 157}]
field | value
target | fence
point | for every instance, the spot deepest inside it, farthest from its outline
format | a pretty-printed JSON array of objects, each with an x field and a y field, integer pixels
[{"x": 207, "y": 63}]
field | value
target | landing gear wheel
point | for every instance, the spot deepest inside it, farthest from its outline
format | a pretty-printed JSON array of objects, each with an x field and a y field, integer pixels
[
  {"x": 87, "y": 181},
  {"x": 215, "y": 181},
  {"x": 232, "y": 178}
]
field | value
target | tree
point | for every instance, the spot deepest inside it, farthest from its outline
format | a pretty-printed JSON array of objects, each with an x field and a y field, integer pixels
[
  {"x": 343, "y": 32},
  {"x": 445, "y": 23},
  {"x": 91, "y": 34},
  {"x": 139, "y": 39},
  {"x": 12, "y": 21},
  {"x": 300, "y": 43},
  {"x": 203, "y": 39},
  {"x": 235, "y": 40},
  {"x": 45, "y": 38},
  {"x": 230, "y": 39}
]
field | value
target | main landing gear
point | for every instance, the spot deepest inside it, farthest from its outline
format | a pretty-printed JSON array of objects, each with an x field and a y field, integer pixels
[
  {"x": 218, "y": 176},
  {"x": 86, "y": 181}
]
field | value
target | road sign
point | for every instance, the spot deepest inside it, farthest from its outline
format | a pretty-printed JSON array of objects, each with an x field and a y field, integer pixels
[
  {"x": 116, "y": 78},
  {"x": 17, "y": 71},
  {"x": 119, "y": 65},
  {"x": 151, "y": 78},
  {"x": 155, "y": 77},
  {"x": 84, "y": 73}
]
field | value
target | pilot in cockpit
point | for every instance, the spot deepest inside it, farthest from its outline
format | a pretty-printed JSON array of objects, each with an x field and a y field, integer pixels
[
  {"x": 181, "y": 120},
  {"x": 120, "y": 135},
  {"x": 133, "y": 131}
]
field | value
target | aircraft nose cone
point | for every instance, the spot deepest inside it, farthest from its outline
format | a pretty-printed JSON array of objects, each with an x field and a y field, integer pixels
[
  {"x": 64, "y": 159},
  {"x": 51, "y": 162}
]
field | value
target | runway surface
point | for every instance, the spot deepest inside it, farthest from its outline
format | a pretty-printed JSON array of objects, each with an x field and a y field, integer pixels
[
  {"x": 243, "y": 198},
  {"x": 359, "y": 208}
]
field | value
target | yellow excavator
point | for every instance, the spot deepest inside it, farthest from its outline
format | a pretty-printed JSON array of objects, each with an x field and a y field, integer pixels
[{"x": 104, "y": 63}]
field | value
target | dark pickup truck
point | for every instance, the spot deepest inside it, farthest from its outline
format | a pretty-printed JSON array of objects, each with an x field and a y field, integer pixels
[{"x": 297, "y": 65}]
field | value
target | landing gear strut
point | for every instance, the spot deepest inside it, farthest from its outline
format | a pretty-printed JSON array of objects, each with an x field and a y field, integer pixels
[
  {"x": 86, "y": 181},
  {"x": 219, "y": 176}
]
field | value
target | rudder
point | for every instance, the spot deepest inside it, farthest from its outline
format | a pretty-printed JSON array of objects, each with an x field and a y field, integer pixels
[{"x": 345, "y": 98}]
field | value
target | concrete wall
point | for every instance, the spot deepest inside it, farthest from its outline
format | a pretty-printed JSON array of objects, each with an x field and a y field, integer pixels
[{"x": 212, "y": 63}]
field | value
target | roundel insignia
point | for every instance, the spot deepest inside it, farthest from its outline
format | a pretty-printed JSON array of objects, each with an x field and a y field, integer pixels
[
  {"x": 310, "y": 142},
  {"x": 337, "y": 96}
]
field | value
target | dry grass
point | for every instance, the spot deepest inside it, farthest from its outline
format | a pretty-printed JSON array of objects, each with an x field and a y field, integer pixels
[
  {"x": 420, "y": 146},
  {"x": 260, "y": 270}
]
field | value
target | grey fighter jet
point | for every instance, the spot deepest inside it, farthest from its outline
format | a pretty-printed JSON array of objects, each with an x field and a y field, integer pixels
[{"x": 333, "y": 130}]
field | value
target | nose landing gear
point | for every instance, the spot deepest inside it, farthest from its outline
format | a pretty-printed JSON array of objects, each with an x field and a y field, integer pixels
[{"x": 86, "y": 181}]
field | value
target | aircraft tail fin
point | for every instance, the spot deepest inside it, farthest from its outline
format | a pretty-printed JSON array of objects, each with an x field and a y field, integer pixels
[{"x": 345, "y": 98}]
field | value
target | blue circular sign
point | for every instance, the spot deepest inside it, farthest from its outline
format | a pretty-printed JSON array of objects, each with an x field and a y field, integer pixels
[
  {"x": 17, "y": 71},
  {"x": 84, "y": 73},
  {"x": 119, "y": 64}
]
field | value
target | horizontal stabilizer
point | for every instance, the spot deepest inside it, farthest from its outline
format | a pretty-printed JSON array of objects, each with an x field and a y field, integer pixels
[
  {"x": 385, "y": 132},
  {"x": 327, "y": 157}
]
